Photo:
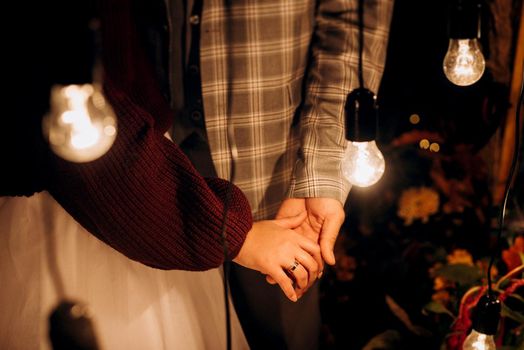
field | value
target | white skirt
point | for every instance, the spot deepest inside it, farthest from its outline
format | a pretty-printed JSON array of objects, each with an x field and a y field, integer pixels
[{"x": 133, "y": 306}]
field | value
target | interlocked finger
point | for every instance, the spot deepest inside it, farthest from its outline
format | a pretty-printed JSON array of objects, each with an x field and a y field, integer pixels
[
  {"x": 310, "y": 265},
  {"x": 298, "y": 274},
  {"x": 293, "y": 266}
]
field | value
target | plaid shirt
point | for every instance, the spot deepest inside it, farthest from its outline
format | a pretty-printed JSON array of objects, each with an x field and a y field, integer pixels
[{"x": 292, "y": 65}]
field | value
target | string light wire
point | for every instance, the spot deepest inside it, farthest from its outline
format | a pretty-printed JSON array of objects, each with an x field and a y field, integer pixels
[
  {"x": 360, "y": 42},
  {"x": 233, "y": 150},
  {"x": 509, "y": 182}
]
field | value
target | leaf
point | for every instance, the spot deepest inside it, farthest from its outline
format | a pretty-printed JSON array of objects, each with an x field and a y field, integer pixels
[
  {"x": 514, "y": 315},
  {"x": 387, "y": 340},
  {"x": 437, "y": 308},
  {"x": 403, "y": 316},
  {"x": 516, "y": 296},
  {"x": 460, "y": 273}
]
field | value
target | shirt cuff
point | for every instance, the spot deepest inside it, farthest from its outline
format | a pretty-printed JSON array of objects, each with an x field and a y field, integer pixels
[{"x": 326, "y": 181}]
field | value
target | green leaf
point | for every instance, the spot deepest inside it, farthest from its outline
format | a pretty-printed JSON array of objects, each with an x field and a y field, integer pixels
[
  {"x": 437, "y": 308},
  {"x": 460, "y": 273},
  {"x": 387, "y": 340},
  {"x": 514, "y": 315},
  {"x": 516, "y": 296}
]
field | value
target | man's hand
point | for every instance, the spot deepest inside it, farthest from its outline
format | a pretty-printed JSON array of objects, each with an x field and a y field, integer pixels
[
  {"x": 293, "y": 206},
  {"x": 326, "y": 216},
  {"x": 324, "y": 219}
]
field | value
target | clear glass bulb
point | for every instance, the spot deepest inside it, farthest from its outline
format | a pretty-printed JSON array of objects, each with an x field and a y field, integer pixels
[
  {"x": 81, "y": 124},
  {"x": 363, "y": 164},
  {"x": 479, "y": 341},
  {"x": 464, "y": 62}
]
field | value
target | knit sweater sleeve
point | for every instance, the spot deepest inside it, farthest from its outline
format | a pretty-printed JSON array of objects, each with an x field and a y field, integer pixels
[{"x": 143, "y": 197}]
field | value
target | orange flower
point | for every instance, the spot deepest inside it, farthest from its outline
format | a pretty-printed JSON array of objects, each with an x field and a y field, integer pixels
[
  {"x": 441, "y": 296},
  {"x": 417, "y": 203},
  {"x": 460, "y": 256},
  {"x": 514, "y": 255},
  {"x": 441, "y": 283}
]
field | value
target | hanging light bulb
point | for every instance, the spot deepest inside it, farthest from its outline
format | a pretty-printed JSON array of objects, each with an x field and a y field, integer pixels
[
  {"x": 479, "y": 341},
  {"x": 81, "y": 125},
  {"x": 464, "y": 62},
  {"x": 486, "y": 317},
  {"x": 362, "y": 164}
]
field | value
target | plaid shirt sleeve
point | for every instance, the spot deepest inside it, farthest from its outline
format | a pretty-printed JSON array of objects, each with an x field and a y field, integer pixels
[{"x": 332, "y": 75}]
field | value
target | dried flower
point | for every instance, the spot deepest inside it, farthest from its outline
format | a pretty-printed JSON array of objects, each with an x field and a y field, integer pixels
[
  {"x": 441, "y": 296},
  {"x": 514, "y": 256},
  {"x": 460, "y": 256},
  {"x": 417, "y": 203},
  {"x": 441, "y": 283}
]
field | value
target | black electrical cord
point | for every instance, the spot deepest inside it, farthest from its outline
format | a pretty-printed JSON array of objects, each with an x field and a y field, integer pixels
[
  {"x": 225, "y": 246},
  {"x": 360, "y": 42},
  {"x": 509, "y": 182},
  {"x": 234, "y": 156},
  {"x": 361, "y": 119}
]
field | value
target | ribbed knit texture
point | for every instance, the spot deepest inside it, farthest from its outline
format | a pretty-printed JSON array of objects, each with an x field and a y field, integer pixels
[{"x": 143, "y": 197}]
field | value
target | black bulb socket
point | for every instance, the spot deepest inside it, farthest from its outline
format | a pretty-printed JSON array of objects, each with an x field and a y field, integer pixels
[
  {"x": 486, "y": 315},
  {"x": 361, "y": 115},
  {"x": 464, "y": 19}
]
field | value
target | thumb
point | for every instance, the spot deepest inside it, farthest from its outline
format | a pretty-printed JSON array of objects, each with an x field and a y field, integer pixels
[
  {"x": 292, "y": 222},
  {"x": 328, "y": 238}
]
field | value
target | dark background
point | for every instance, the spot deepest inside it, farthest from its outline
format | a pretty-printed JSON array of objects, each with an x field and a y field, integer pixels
[{"x": 377, "y": 255}]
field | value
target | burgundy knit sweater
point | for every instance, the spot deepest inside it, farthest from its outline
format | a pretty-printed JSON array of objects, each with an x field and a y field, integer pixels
[{"x": 143, "y": 197}]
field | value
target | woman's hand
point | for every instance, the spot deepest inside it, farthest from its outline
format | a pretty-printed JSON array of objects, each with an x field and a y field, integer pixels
[{"x": 272, "y": 247}]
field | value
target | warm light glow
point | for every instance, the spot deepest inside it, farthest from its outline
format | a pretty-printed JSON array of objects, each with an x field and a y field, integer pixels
[
  {"x": 434, "y": 147},
  {"x": 424, "y": 144},
  {"x": 414, "y": 119},
  {"x": 110, "y": 130},
  {"x": 87, "y": 137},
  {"x": 464, "y": 63},
  {"x": 80, "y": 126},
  {"x": 363, "y": 164},
  {"x": 479, "y": 341}
]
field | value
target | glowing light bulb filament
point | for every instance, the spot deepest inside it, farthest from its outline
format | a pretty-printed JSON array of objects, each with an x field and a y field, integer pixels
[
  {"x": 363, "y": 163},
  {"x": 464, "y": 60},
  {"x": 464, "y": 63},
  {"x": 479, "y": 341},
  {"x": 80, "y": 126},
  {"x": 364, "y": 171}
]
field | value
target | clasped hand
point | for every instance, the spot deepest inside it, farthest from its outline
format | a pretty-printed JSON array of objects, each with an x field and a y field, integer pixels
[
  {"x": 291, "y": 249},
  {"x": 286, "y": 256}
]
